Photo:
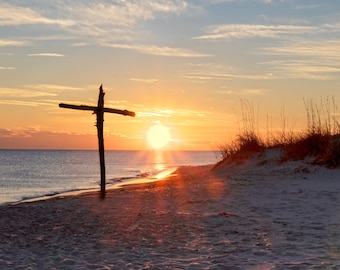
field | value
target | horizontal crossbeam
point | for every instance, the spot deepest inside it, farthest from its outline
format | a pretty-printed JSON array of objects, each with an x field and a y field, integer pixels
[{"x": 95, "y": 109}]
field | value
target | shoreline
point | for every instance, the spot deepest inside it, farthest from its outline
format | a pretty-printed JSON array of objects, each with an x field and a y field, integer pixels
[
  {"x": 126, "y": 181},
  {"x": 238, "y": 216},
  {"x": 47, "y": 173}
]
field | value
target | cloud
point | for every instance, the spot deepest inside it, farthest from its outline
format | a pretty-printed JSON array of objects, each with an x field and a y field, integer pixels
[
  {"x": 26, "y": 103},
  {"x": 160, "y": 51},
  {"x": 79, "y": 44},
  {"x": 211, "y": 71},
  {"x": 10, "y": 43},
  {"x": 46, "y": 54},
  {"x": 7, "y": 68},
  {"x": 244, "y": 31},
  {"x": 303, "y": 7},
  {"x": 37, "y": 138},
  {"x": 253, "y": 91},
  {"x": 149, "y": 81},
  {"x": 5, "y": 133},
  {"x": 33, "y": 95},
  {"x": 121, "y": 13},
  {"x": 15, "y": 15},
  {"x": 21, "y": 132},
  {"x": 303, "y": 70},
  {"x": 30, "y": 132},
  {"x": 53, "y": 87},
  {"x": 171, "y": 112},
  {"x": 23, "y": 93},
  {"x": 112, "y": 20},
  {"x": 306, "y": 59},
  {"x": 243, "y": 92},
  {"x": 110, "y": 103},
  {"x": 327, "y": 49},
  {"x": 213, "y": 2}
]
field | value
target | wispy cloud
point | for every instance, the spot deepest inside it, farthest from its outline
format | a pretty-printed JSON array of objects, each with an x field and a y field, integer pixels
[
  {"x": 242, "y": 92},
  {"x": 11, "y": 43},
  {"x": 26, "y": 103},
  {"x": 123, "y": 13},
  {"x": 244, "y": 31},
  {"x": 213, "y": 2},
  {"x": 7, "y": 68},
  {"x": 23, "y": 93},
  {"x": 149, "y": 81},
  {"x": 306, "y": 59},
  {"x": 303, "y": 69},
  {"x": 16, "y": 15},
  {"x": 112, "y": 20},
  {"x": 20, "y": 132},
  {"x": 327, "y": 49},
  {"x": 171, "y": 112},
  {"x": 210, "y": 71},
  {"x": 29, "y": 132},
  {"x": 107, "y": 21},
  {"x": 303, "y": 7},
  {"x": 52, "y": 37},
  {"x": 38, "y": 138},
  {"x": 79, "y": 44},
  {"x": 33, "y": 95},
  {"x": 161, "y": 51},
  {"x": 111, "y": 103},
  {"x": 53, "y": 87},
  {"x": 46, "y": 54}
]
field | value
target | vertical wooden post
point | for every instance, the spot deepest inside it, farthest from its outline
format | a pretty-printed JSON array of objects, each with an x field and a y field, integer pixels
[{"x": 100, "y": 125}]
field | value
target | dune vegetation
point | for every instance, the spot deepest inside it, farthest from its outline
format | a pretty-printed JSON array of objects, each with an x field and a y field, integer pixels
[{"x": 320, "y": 141}]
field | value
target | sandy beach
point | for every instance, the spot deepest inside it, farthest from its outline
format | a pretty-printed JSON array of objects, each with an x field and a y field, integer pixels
[{"x": 259, "y": 214}]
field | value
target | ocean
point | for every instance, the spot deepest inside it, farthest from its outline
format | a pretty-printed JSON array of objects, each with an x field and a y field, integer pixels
[{"x": 28, "y": 174}]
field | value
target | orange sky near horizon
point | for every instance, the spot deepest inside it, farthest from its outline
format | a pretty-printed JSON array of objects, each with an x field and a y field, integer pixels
[{"x": 188, "y": 65}]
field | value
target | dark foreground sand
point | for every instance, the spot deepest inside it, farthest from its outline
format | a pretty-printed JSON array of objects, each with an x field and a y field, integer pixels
[{"x": 226, "y": 219}]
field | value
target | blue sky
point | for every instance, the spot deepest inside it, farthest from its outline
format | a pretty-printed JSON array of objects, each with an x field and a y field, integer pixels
[{"x": 186, "y": 64}]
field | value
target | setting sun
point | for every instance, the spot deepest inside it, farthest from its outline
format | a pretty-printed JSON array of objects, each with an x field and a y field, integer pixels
[{"x": 158, "y": 136}]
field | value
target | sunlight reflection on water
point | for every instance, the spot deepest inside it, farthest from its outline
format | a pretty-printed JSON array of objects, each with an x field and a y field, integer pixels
[
  {"x": 28, "y": 174},
  {"x": 159, "y": 161}
]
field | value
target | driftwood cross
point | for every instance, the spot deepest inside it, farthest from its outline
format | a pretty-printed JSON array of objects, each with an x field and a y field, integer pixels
[{"x": 99, "y": 111}]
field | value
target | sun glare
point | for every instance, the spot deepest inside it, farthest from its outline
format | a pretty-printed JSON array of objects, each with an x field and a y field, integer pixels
[{"x": 158, "y": 136}]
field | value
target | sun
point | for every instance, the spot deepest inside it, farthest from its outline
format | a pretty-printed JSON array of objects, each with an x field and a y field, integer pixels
[{"x": 158, "y": 136}]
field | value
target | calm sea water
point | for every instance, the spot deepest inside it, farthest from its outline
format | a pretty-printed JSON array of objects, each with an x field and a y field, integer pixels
[{"x": 26, "y": 174}]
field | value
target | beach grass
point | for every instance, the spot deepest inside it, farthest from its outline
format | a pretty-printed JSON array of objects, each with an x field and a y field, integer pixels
[{"x": 320, "y": 140}]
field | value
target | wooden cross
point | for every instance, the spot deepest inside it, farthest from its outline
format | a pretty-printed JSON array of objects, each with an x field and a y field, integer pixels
[{"x": 99, "y": 111}]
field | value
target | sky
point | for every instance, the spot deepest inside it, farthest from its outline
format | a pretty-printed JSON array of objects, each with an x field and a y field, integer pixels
[{"x": 197, "y": 67}]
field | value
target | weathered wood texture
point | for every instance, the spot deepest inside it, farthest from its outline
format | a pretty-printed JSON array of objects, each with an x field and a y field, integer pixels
[
  {"x": 99, "y": 110},
  {"x": 94, "y": 109},
  {"x": 100, "y": 129}
]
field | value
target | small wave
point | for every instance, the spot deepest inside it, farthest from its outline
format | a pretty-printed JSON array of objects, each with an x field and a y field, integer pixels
[
  {"x": 53, "y": 194},
  {"x": 118, "y": 182},
  {"x": 160, "y": 175}
]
